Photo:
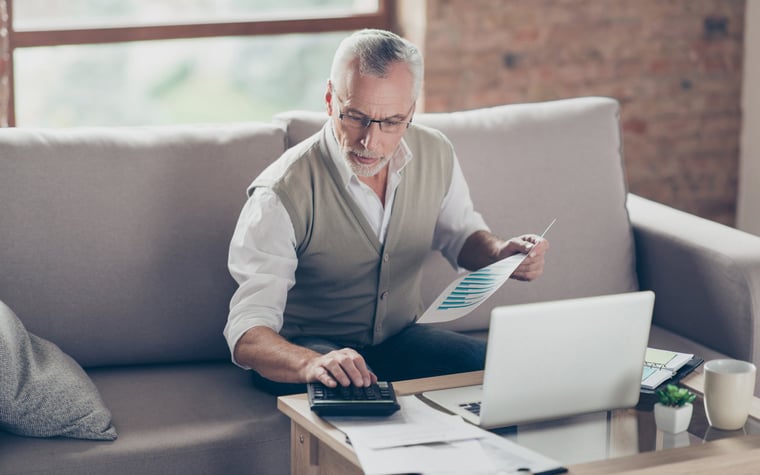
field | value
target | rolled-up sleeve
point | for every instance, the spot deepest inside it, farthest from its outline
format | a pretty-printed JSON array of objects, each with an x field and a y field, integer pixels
[{"x": 263, "y": 261}]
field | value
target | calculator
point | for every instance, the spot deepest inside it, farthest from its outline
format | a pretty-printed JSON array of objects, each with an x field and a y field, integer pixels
[{"x": 378, "y": 399}]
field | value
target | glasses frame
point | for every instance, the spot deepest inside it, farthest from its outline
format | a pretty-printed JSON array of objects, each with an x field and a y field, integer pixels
[{"x": 363, "y": 122}]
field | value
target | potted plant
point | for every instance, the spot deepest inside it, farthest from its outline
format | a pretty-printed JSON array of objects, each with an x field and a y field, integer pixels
[{"x": 672, "y": 412}]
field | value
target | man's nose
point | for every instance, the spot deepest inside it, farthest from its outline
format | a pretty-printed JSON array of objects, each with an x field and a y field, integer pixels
[{"x": 371, "y": 138}]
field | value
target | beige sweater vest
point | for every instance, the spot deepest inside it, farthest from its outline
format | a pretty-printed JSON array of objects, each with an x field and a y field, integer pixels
[{"x": 350, "y": 288}]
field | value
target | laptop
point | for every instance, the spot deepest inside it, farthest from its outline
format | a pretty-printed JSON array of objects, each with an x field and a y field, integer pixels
[{"x": 556, "y": 359}]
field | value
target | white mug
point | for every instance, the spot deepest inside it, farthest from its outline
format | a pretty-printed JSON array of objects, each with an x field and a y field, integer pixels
[{"x": 729, "y": 389}]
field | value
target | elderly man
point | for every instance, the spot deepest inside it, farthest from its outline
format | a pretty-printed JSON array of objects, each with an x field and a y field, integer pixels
[{"x": 329, "y": 247}]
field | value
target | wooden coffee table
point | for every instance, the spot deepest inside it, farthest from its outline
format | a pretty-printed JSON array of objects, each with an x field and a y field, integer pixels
[{"x": 319, "y": 448}]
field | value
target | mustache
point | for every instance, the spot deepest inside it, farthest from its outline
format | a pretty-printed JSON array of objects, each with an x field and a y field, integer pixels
[{"x": 365, "y": 153}]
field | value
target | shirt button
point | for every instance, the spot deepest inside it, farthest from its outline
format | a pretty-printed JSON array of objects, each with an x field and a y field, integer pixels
[{"x": 386, "y": 258}]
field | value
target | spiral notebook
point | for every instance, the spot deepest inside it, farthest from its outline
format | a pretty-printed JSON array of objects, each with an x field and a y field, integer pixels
[{"x": 660, "y": 366}]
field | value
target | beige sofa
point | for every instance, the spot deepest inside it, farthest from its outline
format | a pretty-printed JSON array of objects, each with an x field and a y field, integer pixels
[{"x": 114, "y": 246}]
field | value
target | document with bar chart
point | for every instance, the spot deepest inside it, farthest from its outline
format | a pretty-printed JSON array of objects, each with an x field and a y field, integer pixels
[{"x": 467, "y": 292}]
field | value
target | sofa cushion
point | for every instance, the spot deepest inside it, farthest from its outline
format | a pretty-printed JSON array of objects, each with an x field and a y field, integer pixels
[
  {"x": 203, "y": 418},
  {"x": 43, "y": 392},
  {"x": 115, "y": 240},
  {"x": 527, "y": 164}
]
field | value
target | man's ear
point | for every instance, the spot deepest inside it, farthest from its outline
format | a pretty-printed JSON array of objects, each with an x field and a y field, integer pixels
[{"x": 328, "y": 98}]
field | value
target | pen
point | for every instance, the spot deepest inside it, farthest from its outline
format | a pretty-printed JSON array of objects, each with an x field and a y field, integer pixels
[
  {"x": 548, "y": 227},
  {"x": 554, "y": 471}
]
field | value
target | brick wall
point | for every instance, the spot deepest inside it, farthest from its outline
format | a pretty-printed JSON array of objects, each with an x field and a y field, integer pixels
[{"x": 675, "y": 66}]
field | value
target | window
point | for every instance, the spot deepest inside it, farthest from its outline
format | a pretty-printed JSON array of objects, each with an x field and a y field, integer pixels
[{"x": 131, "y": 62}]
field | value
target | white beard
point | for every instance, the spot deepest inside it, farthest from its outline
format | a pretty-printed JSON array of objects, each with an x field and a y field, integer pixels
[{"x": 365, "y": 170}]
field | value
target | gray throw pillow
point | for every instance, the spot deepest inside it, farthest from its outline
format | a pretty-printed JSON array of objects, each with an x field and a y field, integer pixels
[{"x": 43, "y": 391}]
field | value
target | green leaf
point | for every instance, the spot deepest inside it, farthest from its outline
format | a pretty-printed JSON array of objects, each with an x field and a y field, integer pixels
[{"x": 674, "y": 396}]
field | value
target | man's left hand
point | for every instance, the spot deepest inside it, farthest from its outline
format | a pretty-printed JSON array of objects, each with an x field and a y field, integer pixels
[{"x": 535, "y": 247}]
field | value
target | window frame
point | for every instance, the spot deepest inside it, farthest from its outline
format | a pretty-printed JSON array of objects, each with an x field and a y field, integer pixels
[{"x": 383, "y": 18}]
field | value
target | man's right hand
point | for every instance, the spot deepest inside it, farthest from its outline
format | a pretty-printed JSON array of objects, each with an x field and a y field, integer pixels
[
  {"x": 340, "y": 367},
  {"x": 275, "y": 358}
]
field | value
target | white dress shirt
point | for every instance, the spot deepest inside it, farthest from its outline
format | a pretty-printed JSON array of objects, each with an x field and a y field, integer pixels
[{"x": 262, "y": 257}]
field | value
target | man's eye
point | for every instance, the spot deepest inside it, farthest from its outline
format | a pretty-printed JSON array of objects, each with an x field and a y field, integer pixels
[
  {"x": 358, "y": 120},
  {"x": 392, "y": 123}
]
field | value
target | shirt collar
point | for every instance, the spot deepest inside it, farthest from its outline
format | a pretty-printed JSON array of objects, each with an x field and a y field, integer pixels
[{"x": 401, "y": 157}]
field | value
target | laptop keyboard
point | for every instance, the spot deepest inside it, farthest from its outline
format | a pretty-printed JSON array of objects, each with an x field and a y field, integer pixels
[{"x": 473, "y": 407}]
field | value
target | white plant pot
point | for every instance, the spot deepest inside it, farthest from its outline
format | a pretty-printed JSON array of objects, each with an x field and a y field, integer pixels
[{"x": 672, "y": 419}]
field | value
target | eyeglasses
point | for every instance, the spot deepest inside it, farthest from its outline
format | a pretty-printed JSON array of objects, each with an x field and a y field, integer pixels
[{"x": 389, "y": 126}]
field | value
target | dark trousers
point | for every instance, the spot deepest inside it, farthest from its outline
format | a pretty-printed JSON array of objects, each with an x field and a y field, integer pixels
[{"x": 418, "y": 351}]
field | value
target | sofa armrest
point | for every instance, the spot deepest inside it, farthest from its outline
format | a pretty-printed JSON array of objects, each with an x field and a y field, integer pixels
[{"x": 706, "y": 277}]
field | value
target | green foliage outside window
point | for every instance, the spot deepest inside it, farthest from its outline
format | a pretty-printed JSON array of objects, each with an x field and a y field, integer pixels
[{"x": 171, "y": 81}]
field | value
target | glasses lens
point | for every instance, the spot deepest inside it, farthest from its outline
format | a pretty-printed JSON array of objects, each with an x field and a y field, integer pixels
[
  {"x": 392, "y": 126},
  {"x": 355, "y": 122}
]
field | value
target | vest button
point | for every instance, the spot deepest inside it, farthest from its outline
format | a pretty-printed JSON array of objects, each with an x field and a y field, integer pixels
[
  {"x": 386, "y": 258},
  {"x": 383, "y": 295}
]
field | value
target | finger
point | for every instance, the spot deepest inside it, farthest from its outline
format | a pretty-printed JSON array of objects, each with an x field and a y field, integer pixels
[
  {"x": 366, "y": 374},
  {"x": 533, "y": 241},
  {"x": 526, "y": 276},
  {"x": 323, "y": 376},
  {"x": 530, "y": 269},
  {"x": 539, "y": 248},
  {"x": 347, "y": 367},
  {"x": 531, "y": 274},
  {"x": 534, "y": 238},
  {"x": 336, "y": 372},
  {"x": 354, "y": 366},
  {"x": 542, "y": 244},
  {"x": 515, "y": 246},
  {"x": 531, "y": 264}
]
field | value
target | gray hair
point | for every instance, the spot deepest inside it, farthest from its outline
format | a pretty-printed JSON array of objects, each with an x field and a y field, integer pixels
[{"x": 376, "y": 50}]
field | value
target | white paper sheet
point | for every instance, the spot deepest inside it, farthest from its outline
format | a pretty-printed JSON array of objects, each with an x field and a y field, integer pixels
[
  {"x": 413, "y": 439},
  {"x": 421, "y": 439},
  {"x": 460, "y": 457},
  {"x": 415, "y": 423},
  {"x": 511, "y": 457},
  {"x": 466, "y": 293}
]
